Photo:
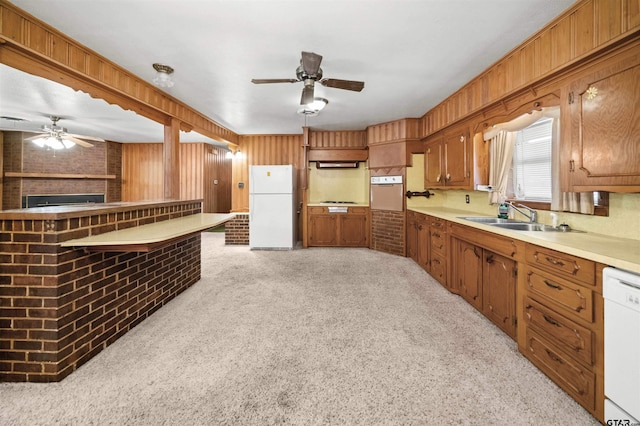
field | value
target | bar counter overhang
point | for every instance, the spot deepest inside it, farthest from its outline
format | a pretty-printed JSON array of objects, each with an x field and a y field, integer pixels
[{"x": 66, "y": 294}]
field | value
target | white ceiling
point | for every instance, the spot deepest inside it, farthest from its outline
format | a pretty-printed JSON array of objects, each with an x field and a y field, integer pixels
[{"x": 411, "y": 54}]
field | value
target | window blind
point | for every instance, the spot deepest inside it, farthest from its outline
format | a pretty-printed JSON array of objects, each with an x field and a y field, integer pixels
[{"x": 532, "y": 162}]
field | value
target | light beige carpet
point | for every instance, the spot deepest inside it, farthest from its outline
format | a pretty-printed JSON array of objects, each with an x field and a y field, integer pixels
[{"x": 303, "y": 337}]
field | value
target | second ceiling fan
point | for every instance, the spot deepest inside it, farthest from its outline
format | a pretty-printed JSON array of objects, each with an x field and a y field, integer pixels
[{"x": 309, "y": 72}]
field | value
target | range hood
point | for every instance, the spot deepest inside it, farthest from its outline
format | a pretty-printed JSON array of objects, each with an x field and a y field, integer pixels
[
  {"x": 337, "y": 164},
  {"x": 338, "y": 158}
]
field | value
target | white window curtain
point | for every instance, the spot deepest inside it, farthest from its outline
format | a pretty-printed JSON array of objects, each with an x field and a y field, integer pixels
[
  {"x": 502, "y": 140},
  {"x": 500, "y": 158}
]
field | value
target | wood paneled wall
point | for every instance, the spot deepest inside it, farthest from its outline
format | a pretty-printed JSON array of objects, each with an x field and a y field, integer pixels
[
  {"x": 347, "y": 139},
  {"x": 407, "y": 128},
  {"x": 262, "y": 150},
  {"x": 587, "y": 27},
  {"x": 200, "y": 165}
]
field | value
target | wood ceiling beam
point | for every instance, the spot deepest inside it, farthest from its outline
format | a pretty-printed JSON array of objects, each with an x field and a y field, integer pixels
[{"x": 32, "y": 46}]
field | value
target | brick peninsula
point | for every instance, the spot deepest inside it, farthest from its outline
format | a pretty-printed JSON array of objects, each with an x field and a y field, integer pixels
[{"x": 73, "y": 279}]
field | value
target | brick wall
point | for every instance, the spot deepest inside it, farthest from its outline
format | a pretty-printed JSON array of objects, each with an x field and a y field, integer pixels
[
  {"x": 388, "y": 231},
  {"x": 26, "y": 157},
  {"x": 59, "y": 307},
  {"x": 236, "y": 231}
]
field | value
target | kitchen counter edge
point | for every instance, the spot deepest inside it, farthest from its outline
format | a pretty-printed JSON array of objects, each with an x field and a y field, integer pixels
[{"x": 621, "y": 253}]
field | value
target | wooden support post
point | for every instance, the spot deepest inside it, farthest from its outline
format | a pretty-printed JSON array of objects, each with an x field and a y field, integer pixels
[{"x": 171, "y": 150}]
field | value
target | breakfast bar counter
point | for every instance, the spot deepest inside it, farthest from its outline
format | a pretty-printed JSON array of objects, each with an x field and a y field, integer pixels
[{"x": 76, "y": 278}]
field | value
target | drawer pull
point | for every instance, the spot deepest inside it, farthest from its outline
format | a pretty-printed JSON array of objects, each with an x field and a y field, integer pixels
[
  {"x": 557, "y": 287},
  {"x": 550, "y": 320},
  {"x": 435, "y": 234},
  {"x": 553, "y": 356},
  {"x": 554, "y": 261}
]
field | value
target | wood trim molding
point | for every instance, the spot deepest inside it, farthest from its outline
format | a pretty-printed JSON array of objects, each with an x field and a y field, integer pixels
[
  {"x": 32, "y": 46},
  {"x": 57, "y": 175}
]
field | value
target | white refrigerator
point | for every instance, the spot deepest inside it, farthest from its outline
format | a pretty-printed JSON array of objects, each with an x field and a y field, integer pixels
[{"x": 272, "y": 210}]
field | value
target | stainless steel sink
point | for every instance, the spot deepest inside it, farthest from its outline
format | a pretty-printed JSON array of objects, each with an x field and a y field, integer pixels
[
  {"x": 490, "y": 220},
  {"x": 522, "y": 226}
]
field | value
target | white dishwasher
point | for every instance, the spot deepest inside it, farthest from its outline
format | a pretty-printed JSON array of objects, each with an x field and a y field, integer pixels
[{"x": 621, "y": 292}]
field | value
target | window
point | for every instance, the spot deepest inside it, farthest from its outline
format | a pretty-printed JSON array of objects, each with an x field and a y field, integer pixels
[{"x": 532, "y": 162}]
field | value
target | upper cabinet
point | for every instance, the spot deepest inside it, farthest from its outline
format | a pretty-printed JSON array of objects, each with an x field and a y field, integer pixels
[
  {"x": 391, "y": 144},
  {"x": 454, "y": 160},
  {"x": 603, "y": 107}
]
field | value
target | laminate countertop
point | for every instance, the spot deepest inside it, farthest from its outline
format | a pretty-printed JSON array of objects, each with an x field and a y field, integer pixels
[
  {"x": 152, "y": 233},
  {"x": 621, "y": 253}
]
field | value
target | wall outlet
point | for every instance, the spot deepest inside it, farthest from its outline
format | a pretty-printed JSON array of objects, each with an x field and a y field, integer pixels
[{"x": 466, "y": 198}]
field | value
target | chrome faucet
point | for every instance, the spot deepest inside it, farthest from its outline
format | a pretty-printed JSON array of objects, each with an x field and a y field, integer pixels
[{"x": 532, "y": 215}]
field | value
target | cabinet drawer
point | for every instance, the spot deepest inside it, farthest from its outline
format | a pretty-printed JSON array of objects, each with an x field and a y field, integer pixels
[
  {"x": 495, "y": 243},
  {"x": 563, "y": 264},
  {"x": 576, "y": 380},
  {"x": 569, "y": 298},
  {"x": 575, "y": 339},
  {"x": 439, "y": 269},
  {"x": 438, "y": 241},
  {"x": 437, "y": 223},
  {"x": 317, "y": 210},
  {"x": 358, "y": 210}
]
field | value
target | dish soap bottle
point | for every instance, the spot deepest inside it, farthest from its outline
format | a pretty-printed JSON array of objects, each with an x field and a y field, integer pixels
[{"x": 503, "y": 211}]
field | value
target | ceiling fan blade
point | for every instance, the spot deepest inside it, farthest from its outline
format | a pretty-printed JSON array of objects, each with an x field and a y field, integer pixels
[
  {"x": 78, "y": 141},
  {"x": 38, "y": 136},
  {"x": 355, "y": 86},
  {"x": 89, "y": 138},
  {"x": 307, "y": 95},
  {"x": 273, "y": 80},
  {"x": 311, "y": 63}
]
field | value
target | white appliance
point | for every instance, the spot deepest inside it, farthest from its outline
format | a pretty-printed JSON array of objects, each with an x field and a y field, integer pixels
[
  {"x": 272, "y": 210},
  {"x": 387, "y": 193},
  {"x": 621, "y": 292}
]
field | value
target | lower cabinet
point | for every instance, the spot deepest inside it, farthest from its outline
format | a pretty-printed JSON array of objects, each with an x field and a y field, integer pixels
[
  {"x": 487, "y": 281},
  {"x": 549, "y": 301},
  {"x": 418, "y": 239},
  {"x": 562, "y": 322},
  {"x": 438, "y": 250},
  {"x": 347, "y": 228}
]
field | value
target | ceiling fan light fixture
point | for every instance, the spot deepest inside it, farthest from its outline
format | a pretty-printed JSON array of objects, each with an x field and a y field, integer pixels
[
  {"x": 163, "y": 75},
  {"x": 54, "y": 143},
  {"x": 313, "y": 108}
]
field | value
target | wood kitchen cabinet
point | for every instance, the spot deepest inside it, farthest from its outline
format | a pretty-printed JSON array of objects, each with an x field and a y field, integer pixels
[
  {"x": 338, "y": 229},
  {"x": 453, "y": 160},
  {"x": 561, "y": 326},
  {"x": 484, "y": 270},
  {"x": 603, "y": 126},
  {"x": 468, "y": 265},
  {"x": 418, "y": 239},
  {"x": 438, "y": 254}
]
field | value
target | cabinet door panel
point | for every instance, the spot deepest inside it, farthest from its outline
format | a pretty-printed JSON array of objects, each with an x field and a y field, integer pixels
[
  {"x": 424, "y": 244},
  {"x": 322, "y": 230},
  {"x": 433, "y": 157},
  {"x": 499, "y": 291},
  {"x": 354, "y": 230},
  {"x": 456, "y": 154},
  {"x": 469, "y": 273},
  {"x": 605, "y": 128},
  {"x": 412, "y": 236}
]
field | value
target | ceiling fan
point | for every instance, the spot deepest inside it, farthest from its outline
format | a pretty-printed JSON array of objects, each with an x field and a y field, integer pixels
[
  {"x": 309, "y": 72},
  {"x": 56, "y": 137}
]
